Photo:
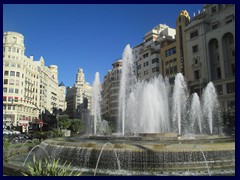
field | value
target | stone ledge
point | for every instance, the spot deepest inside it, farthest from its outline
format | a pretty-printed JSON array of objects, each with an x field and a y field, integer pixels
[{"x": 12, "y": 170}]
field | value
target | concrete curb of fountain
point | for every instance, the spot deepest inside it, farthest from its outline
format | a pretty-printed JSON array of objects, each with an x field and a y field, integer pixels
[{"x": 12, "y": 170}]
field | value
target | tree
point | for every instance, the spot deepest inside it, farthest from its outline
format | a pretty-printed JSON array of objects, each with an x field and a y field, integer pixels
[
  {"x": 64, "y": 122},
  {"x": 76, "y": 126}
]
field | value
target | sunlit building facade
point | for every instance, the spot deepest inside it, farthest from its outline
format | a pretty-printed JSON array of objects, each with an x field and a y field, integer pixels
[
  {"x": 29, "y": 87},
  {"x": 76, "y": 94}
]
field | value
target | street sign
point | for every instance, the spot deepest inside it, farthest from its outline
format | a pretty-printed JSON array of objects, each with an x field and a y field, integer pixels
[{"x": 40, "y": 122}]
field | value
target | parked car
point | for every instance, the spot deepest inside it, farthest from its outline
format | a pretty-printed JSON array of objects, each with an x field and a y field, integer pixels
[{"x": 5, "y": 131}]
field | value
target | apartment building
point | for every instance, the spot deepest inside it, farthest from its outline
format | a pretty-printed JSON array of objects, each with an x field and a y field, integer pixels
[
  {"x": 29, "y": 87},
  {"x": 75, "y": 96},
  {"x": 147, "y": 54},
  {"x": 110, "y": 93}
]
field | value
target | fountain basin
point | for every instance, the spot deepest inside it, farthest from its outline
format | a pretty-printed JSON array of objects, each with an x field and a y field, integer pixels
[{"x": 144, "y": 157}]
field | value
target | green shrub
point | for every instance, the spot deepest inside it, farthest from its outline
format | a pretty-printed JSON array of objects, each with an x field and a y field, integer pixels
[
  {"x": 46, "y": 168},
  {"x": 56, "y": 133},
  {"x": 76, "y": 126}
]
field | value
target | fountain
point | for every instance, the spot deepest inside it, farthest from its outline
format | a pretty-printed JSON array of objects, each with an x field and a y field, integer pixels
[
  {"x": 210, "y": 105},
  {"x": 180, "y": 100},
  {"x": 146, "y": 108},
  {"x": 96, "y": 96},
  {"x": 158, "y": 129},
  {"x": 126, "y": 86},
  {"x": 196, "y": 113},
  {"x": 100, "y": 127}
]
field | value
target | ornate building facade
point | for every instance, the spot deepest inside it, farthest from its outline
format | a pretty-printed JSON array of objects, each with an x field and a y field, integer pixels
[
  {"x": 76, "y": 95},
  {"x": 29, "y": 87}
]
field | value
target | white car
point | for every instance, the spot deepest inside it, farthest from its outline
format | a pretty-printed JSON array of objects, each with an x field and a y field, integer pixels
[
  {"x": 16, "y": 132},
  {"x": 5, "y": 131}
]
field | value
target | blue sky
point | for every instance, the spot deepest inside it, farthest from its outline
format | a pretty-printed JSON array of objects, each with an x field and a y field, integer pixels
[{"x": 86, "y": 36}]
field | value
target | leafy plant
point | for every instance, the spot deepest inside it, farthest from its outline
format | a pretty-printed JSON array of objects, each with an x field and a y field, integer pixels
[
  {"x": 56, "y": 133},
  {"x": 64, "y": 122},
  {"x": 46, "y": 168},
  {"x": 76, "y": 126}
]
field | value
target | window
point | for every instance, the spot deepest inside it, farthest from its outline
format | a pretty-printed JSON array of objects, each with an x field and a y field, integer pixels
[
  {"x": 5, "y": 73},
  {"x": 145, "y": 55},
  {"x": 195, "y": 48},
  {"x": 214, "y": 9},
  {"x": 216, "y": 44},
  {"x": 175, "y": 69},
  {"x": 9, "y": 49},
  {"x": 167, "y": 72},
  {"x": 12, "y": 73},
  {"x": 16, "y": 99},
  {"x": 231, "y": 87},
  {"x": 149, "y": 39},
  {"x": 170, "y": 52},
  {"x": 231, "y": 40},
  {"x": 10, "y": 99},
  {"x": 215, "y": 25},
  {"x": 233, "y": 68},
  {"x": 229, "y": 19},
  {"x": 5, "y": 90},
  {"x": 219, "y": 75},
  {"x": 4, "y": 98},
  {"x": 16, "y": 91},
  {"x": 196, "y": 75},
  {"x": 11, "y": 90},
  {"x": 12, "y": 64},
  {"x": 5, "y": 81},
  {"x": 194, "y": 34},
  {"x": 11, "y": 81},
  {"x": 220, "y": 6},
  {"x": 18, "y": 74},
  {"x": 145, "y": 72},
  {"x": 17, "y": 82},
  {"x": 155, "y": 60},
  {"x": 145, "y": 64},
  {"x": 139, "y": 66},
  {"x": 156, "y": 69},
  {"x": 14, "y": 49},
  {"x": 17, "y": 50},
  {"x": 219, "y": 89}
]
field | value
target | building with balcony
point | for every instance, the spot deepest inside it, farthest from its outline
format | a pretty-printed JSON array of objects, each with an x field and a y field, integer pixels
[
  {"x": 110, "y": 93},
  {"x": 29, "y": 86},
  {"x": 147, "y": 54}
]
